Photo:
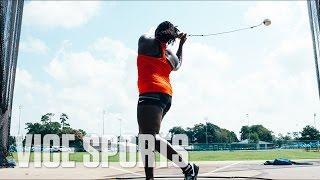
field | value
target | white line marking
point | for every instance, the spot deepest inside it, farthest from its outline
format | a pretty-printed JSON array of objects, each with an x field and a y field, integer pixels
[
  {"x": 123, "y": 170},
  {"x": 224, "y": 167}
]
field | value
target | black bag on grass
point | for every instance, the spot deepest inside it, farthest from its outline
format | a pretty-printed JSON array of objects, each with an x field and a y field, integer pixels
[{"x": 281, "y": 161}]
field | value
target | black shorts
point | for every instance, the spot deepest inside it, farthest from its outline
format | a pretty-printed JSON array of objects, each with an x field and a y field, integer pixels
[{"x": 161, "y": 100}]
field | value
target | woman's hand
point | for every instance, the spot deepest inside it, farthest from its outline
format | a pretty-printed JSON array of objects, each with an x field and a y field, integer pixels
[{"x": 182, "y": 37}]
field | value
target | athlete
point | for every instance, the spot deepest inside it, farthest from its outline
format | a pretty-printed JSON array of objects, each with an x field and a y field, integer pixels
[{"x": 155, "y": 63}]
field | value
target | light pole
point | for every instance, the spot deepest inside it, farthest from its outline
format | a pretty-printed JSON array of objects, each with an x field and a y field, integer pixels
[
  {"x": 206, "y": 119},
  {"x": 103, "y": 113},
  {"x": 314, "y": 120},
  {"x": 248, "y": 127},
  {"x": 248, "y": 119},
  {"x": 120, "y": 120},
  {"x": 19, "y": 119}
]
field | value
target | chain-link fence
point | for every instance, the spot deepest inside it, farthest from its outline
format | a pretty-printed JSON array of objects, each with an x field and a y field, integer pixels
[
  {"x": 296, "y": 144},
  {"x": 10, "y": 25},
  {"x": 308, "y": 145}
]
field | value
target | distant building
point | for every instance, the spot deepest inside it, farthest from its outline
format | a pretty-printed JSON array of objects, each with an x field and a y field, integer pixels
[{"x": 246, "y": 144}]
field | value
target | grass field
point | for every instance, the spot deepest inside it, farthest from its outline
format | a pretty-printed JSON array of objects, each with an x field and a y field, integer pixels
[
  {"x": 222, "y": 155},
  {"x": 252, "y": 155}
]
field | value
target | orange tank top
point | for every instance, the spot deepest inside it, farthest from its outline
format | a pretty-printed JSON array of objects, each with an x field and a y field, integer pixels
[{"x": 153, "y": 73}]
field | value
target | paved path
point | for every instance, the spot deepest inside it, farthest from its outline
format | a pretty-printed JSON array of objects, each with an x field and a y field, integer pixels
[{"x": 217, "y": 168}]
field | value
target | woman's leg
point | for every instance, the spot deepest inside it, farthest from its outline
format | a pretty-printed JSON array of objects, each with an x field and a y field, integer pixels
[
  {"x": 149, "y": 120},
  {"x": 150, "y": 113},
  {"x": 170, "y": 150}
]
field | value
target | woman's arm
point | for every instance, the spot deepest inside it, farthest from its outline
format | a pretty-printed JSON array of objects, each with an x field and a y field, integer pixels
[
  {"x": 179, "y": 55},
  {"x": 176, "y": 59},
  {"x": 183, "y": 38}
]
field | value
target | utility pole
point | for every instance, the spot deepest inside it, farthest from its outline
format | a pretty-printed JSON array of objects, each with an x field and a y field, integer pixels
[
  {"x": 103, "y": 113},
  {"x": 19, "y": 119}
]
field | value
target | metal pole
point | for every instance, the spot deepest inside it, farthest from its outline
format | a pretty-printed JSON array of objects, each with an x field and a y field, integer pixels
[
  {"x": 120, "y": 126},
  {"x": 248, "y": 127},
  {"x": 206, "y": 133},
  {"x": 314, "y": 120},
  {"x": 103, "y": 113},
  {"x": 19, "y": 119},
  {"x": 206, "y": 130}
]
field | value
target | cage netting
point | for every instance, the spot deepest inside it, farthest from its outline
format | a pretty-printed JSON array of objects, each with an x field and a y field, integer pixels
[
  {"x": 10, "y": 25},
  {"x": 314, "y": 18}
]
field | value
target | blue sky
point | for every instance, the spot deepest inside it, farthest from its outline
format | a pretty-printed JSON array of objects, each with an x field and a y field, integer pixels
[{"x": 79, "y": 58}]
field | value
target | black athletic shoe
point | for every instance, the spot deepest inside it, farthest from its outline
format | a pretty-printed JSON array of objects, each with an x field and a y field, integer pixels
[{"x": 191, "y": 172}]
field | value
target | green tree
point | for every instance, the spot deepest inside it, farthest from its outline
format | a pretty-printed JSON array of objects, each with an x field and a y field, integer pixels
[
  {"x": 52, "y": 128},
  {"x": 228, "y": 136},
  {"x": 310, "y": 133},
  {"x": 254, "y": 137},
  {"x": 82, "y": 132},
  {"x": 263, "y": 133},
  {"x": 201, "y": 132},
  {"x": 46, "y": 118},
  {"x": 177, "y": 130},
  {"x": 48, "y": 127},
  {"x": 34, "y": 128},
  {"x": 63, "y": 119},
  {"x": 244, "y": 132},
  {"x": 190, "y": 135},
  {"x": 281, "y": 139}
]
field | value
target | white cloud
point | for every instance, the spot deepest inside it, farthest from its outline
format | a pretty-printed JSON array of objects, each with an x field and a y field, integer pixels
[
  {"x": 276, "y": 86},
  {"x": 34, "y": 45},
  {"x": 64, "y": 14},
  {"x": 206, "y": 85},
  {"x": 111, "y": 49},
  {"x": 280, "y": 13},
  {"x": 25, "y": 81},
  {"x": 275, "y": 82},
  {"x": 103, "y": 77},
  {"x": 282, "y": 91}
]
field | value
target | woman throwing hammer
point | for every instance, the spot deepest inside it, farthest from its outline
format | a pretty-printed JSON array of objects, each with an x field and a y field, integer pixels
[{"x": 155, "y": 63}]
